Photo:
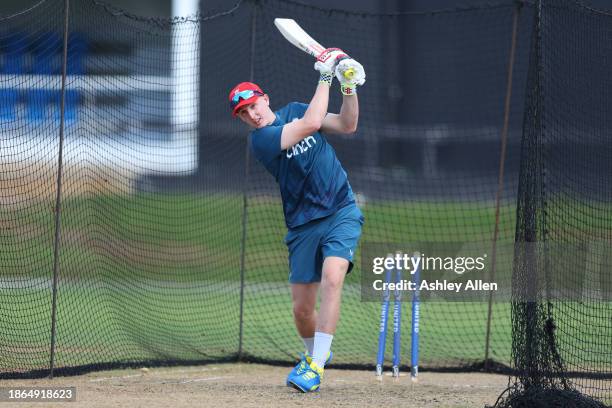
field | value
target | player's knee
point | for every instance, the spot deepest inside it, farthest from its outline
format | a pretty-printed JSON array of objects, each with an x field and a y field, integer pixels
[
  {"x": 302, "y": 312},
  {"x": 334, "y": 279},
  {"x": 335, "y": 271}
]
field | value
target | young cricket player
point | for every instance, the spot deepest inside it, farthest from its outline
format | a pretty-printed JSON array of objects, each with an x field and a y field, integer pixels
[{"x": 323, "y": 221}]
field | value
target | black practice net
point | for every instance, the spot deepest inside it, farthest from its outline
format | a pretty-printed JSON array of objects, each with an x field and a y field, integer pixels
[
  {"x": 167, "y": 243},
  {"x": 561, "y": 310}
]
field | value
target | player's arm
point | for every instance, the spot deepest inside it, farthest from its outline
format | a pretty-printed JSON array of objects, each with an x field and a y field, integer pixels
[
  {"x": 313, "y": 118},
  {"x": 346, "y": 121},
  {"x": 311, "y": 122}
]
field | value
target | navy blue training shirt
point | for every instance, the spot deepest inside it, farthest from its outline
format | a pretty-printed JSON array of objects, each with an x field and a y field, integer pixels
[{"x": 312, "y": 182}]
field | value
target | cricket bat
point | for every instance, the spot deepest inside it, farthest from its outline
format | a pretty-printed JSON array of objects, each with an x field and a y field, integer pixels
[{"x": 300, "y": 38}]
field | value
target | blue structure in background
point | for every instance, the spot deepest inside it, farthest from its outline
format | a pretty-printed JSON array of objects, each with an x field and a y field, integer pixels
[
  {"x": 71, "y": 104},
  {"x": 45, "y": 53},
  {"x": 77, "y": 48},
  {"x": 37, "y": 105},
  {"x": 45, "y": 50},
  {"x": 14, "y": 51},
  {"x": 8, "y": 101}
]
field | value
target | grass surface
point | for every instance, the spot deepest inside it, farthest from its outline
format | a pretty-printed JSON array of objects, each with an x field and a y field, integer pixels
[{"x": 157, "y": 277}]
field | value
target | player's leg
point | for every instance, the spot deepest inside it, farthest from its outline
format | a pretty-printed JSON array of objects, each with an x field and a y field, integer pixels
[
  {"x": 333, "y": 273},
  {"x": 308, "y": 377},
  {"x": 304, "y": 277},
  {"x": 304, "y": 298},
  {"x": 338, "y": 246},
  {"x": 332, "y": 280}
]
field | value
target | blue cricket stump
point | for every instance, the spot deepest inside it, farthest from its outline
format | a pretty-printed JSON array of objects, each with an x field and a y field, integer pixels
[
  {"x": 416, "y": 315},
  {"x": 382, "y": 333},
  {"x": 397, "y": 325}
]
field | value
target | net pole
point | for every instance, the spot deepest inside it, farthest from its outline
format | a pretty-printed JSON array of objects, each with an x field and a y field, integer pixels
[
  {"x": 245, "y": 201},
  {"x": 500, "y": 182},
  {"x": 58, "y": 196}
]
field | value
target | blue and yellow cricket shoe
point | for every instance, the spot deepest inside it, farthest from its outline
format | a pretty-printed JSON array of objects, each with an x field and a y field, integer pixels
[
  {"x": 309, "y": 380},
  {"x": 299, "y": 368},
  {"x": 302, "y": 365}
]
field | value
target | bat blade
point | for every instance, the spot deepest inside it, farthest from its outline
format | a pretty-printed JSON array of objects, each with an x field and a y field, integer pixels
[{"x": 298, "y": 37}]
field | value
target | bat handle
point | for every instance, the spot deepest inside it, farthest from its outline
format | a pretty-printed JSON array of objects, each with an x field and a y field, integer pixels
[{"x": 349, "y": 73}]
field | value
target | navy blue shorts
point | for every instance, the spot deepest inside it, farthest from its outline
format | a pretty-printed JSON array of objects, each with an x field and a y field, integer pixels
[{"x": 309, "y": 244}]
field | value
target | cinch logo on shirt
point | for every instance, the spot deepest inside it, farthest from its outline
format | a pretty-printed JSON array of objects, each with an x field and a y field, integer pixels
[{"x": 301, "y": 147}]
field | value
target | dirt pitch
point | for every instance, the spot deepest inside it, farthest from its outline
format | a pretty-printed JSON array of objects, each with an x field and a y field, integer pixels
[{"x": 254, "y": 385}]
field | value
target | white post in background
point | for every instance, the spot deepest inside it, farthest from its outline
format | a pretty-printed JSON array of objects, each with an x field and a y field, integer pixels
[{"x": 185, "y": 76}]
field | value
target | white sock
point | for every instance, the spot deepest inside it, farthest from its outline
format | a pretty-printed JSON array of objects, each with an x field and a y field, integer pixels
[
  {"x": 309, "y": 344},
  {"x": 322, "y": 345}
]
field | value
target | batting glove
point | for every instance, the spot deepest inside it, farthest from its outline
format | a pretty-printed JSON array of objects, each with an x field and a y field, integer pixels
[
  {"x": 329, "y": 59},
  {"x": 350, "y": 73}
]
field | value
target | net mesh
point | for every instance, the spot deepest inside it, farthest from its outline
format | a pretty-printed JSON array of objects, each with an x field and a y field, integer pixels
[
  {"x": 171, "y": 241},
  {"x": 563, "y": 204}
]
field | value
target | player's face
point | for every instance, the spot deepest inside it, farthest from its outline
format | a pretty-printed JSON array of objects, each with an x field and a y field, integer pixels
[{"x": 257, "y": 114}]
